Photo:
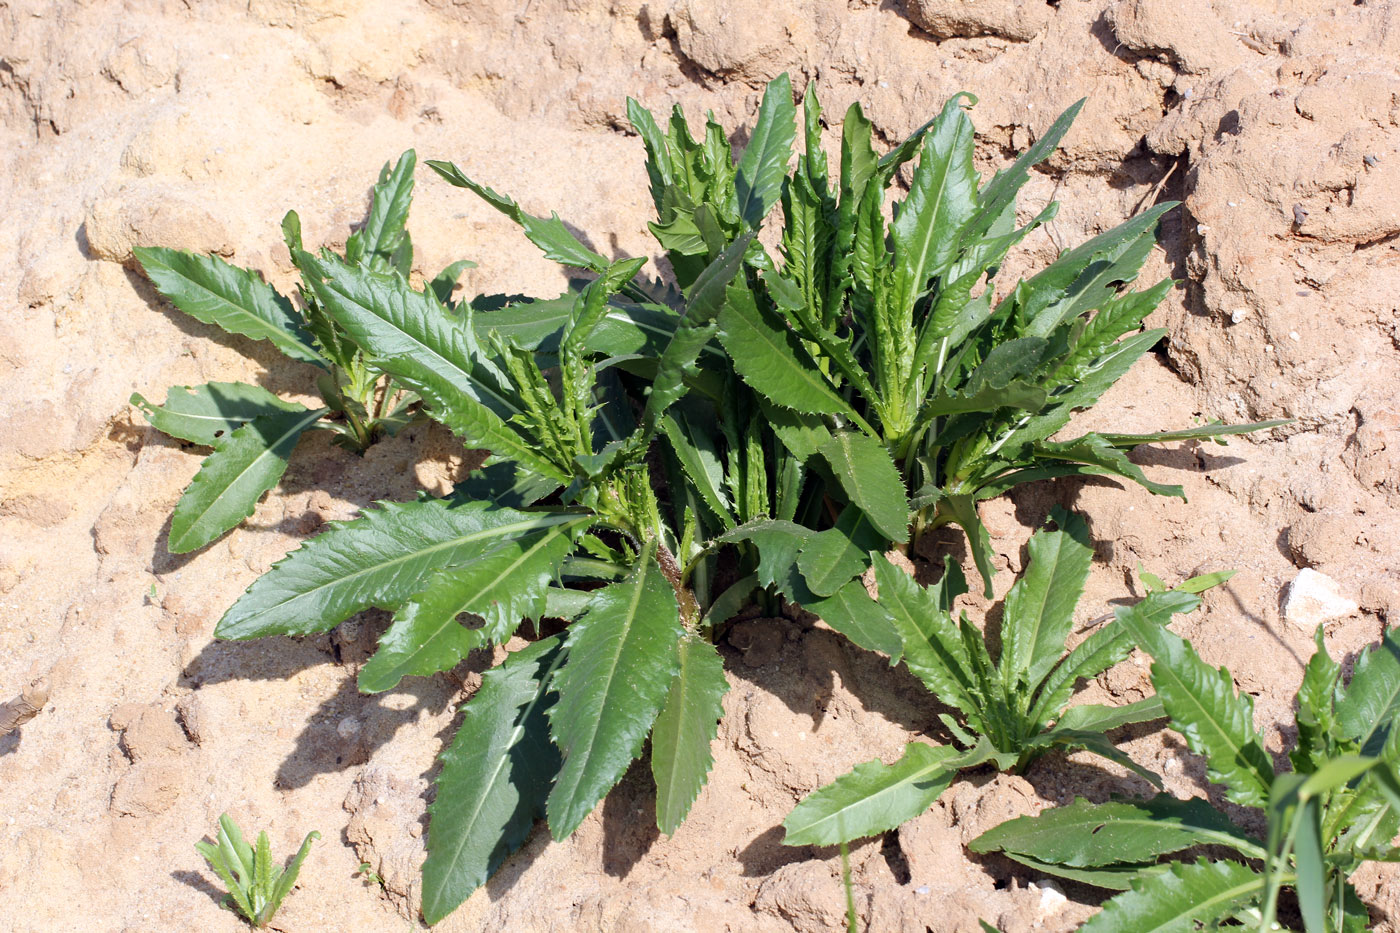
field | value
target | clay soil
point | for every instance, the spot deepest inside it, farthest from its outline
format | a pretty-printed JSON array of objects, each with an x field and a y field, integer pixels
[{"x": 196, "y": 125}]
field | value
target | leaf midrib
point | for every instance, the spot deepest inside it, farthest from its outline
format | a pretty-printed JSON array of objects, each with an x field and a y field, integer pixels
[
  {"x": 546, "y": 538},
  {"x": 543, "y": 521},
  {"x": 299, "y": 426}
]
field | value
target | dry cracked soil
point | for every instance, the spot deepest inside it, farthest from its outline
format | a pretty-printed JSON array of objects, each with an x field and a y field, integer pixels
[{"x": 196, "y": 125}]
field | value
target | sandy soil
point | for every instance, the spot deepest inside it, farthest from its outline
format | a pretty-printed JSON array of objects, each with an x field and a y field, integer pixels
[{"x": 197, "y": 125}]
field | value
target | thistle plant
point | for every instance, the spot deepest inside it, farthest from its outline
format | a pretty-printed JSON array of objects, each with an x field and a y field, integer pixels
[
  {"x": 252, "y": 431},
  {"x": 256, "y": 884},
  {"x": 1008, "y": 711}
]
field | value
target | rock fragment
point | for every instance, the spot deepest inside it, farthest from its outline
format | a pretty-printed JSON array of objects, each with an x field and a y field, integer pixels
[{"x": 1314, "y": 598}]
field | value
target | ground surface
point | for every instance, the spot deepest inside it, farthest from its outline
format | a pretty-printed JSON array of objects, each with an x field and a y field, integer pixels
[{"x": 197, "y": 125}]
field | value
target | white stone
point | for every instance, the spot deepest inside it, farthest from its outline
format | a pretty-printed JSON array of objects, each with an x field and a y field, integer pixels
[
  {"x": 1052, "y": 899},
  {"x": 1314, "y": 598}
]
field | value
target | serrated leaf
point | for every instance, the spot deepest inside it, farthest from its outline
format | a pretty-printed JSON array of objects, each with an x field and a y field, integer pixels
[
  {"x": 868, "y": 477},
  {"x": 1112, "y": 878},
  {"x": 830, "y": 558},
  {"x": 1191, "y": 434},
  {"x": 772, "y": 360},
  {"x": 1103, "y": 649},
  {"x": 207, "y": 413},
  {"x": 445, "y": 282},
  {"x": 1185, "y": 898},
  {"x": 933, "y": 650},
  {"x": 1089, "y": 835},
  {"x": 502, "y": 586},
  {"x": 942, "y": 197},
  {"x": 760, "y": 175},
  {"x": 286, "y": 878},
  {"x": 383, "y": 231},
  {"x": 851, "y": 612},
  {"x": 684, "y": 730},
  {"x": 234, "y": 477},
  {"x": 237, "y": 300},
  {"x": 495, "y": 777},
  {"x": 551, "y": 236},
  {"x": 1039, "y": 609},
  {"x": 1370, "y": 708},
  {"x": 622, "y": 661},
  {"x": 379, "y": 559},
  {"x": 962, "y": 510},
  {"x": 1205, "y": 709},
  {"x": 426, "y": 349},
  {"x": 873, "y": 798},
  {"x": 1095, "y": 717}
]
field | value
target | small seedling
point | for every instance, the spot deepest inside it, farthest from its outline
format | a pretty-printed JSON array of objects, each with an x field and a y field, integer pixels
[
  {"x": 256, "y": 884},
  {"x": 367, "y": 872}
]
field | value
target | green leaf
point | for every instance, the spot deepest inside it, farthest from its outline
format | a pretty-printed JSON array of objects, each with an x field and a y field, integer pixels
[
  {"x": 684, "y": 730},
  {"x": 962, "y": 510},
  {"x": 1113, "y": 878},
  {"x": 694, "y": 447},
  {"x": 829, "y": 559},
  {"x": 495, "y": 777},
  {"x": 622, "y": 661},
  {"x": 760, "y": 178},
  {"x": 1094, "y": 451},
  {"x": 210, "y": 290},
  {"x": 379, "y": 559},
  {"x": 234, "y": 477},
  {"x": 1204, "y": 708},
  {"x": 1214, "y": 429},
  {"x": 1103, "y": 649},
  {"x": 1368, "y": 711},
  {"x": 778, "y": 543},
  {"x": 445, "y": 282},
  {"x": 383, "y": 232},
  {"x": 288, "y": 877},
  {"x": 868, "y": 477},
  {"x": 1093, "y": 717},
  {"x": 1089, "y": 835},
  {"x": 206, "y": 414},
  {"x": 772, "y": 360},
  {"x": 1316, "y": 718},
  {"x": 502, "y": 586},
  {"x": 1039, "y": 611},
  {"x": 551, "y": 236},
  {"x": 873, "y": 798},
  {"x": 1185, "y": 898},
  {"x": 942, "y": 197},
  {"x": 1000, "y": 193},
  {"x": 421, "y": 345},
  {"x": 851, "y": 612},
  {"x": 933, "y": 650}
]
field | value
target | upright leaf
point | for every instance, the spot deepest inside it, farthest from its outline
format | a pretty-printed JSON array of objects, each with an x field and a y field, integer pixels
[
  {"x": 383, "y": 231},
  {"x": 210, "y": 290},
  {"x": 868, "y": 477},
  {"x": 379, "y": 559},
  {"x": 495, "y": 777},
  {"x": 685, "y": 729},
  {"x": 622, "y": 661},
  {"x": 1370, "y": 708},
  {"x": 1204, "y": 708},
  {"x": 1039, "y": 611},
  {"x": 760, "y": 178},
  {"x": 234, "y": 477}
]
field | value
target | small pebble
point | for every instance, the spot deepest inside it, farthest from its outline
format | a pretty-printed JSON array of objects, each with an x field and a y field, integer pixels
[
  {"x": 1300, "y": 214},
  {"x": 1370, "y": 161},
  {"x": 1239, "y": 314}
]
